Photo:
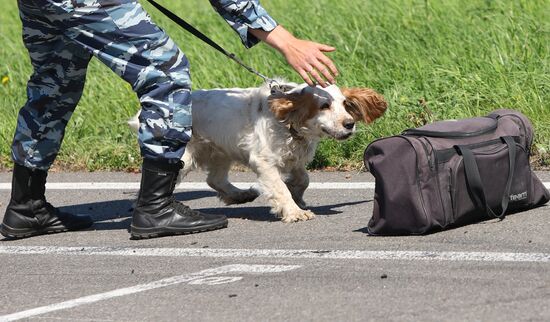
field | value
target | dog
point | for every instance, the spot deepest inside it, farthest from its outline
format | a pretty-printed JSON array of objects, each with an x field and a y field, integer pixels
[{"x": 275, "y": 134}]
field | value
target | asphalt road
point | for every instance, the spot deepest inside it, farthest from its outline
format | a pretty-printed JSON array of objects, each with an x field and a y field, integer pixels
[{"x": 259, "y": 269}]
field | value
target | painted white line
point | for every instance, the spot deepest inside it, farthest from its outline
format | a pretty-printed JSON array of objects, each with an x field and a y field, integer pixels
[
  {"x": 281, "y": 253},
  {"x": 184, "y": 185},
  {"x": 196, "y": 185},
  {"x": 148, "y": 286},
  {"x": 216, "y": 280}
]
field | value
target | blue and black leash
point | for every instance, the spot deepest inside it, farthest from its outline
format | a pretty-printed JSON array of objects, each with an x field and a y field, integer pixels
[{"x": 273, "y": 85}]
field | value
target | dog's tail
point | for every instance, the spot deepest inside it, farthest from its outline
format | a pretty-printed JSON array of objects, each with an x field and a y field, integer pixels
[{"x": 133, "y": 122}]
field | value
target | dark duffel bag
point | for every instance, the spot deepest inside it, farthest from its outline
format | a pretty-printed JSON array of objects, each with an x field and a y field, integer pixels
[{"x": 452, "y": 173}]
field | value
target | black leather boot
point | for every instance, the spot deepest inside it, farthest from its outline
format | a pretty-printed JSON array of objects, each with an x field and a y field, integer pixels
[
  {"x": 29, "y": 214},
  {"x": 157, "y": 213}
]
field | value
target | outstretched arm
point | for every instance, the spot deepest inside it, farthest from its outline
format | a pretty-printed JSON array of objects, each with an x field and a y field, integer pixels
[
  {"x": 306, "y": 57},
  {"x": 252, "y": 22}
]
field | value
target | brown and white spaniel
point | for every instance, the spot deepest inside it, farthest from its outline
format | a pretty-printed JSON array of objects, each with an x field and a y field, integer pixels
[{"x": 274, "y": 134}]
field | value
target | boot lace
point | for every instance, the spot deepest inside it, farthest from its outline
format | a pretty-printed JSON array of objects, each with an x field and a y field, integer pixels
[{"x": 183, "y": 209}]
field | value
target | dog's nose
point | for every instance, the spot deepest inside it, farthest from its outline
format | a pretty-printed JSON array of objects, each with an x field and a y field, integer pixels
[{"x": 348, "y": 124}]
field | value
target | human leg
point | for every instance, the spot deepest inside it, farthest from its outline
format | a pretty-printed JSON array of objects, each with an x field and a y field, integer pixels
[
  {"x": 122, "y": 35},
  {"x": 53, "y": 92}
]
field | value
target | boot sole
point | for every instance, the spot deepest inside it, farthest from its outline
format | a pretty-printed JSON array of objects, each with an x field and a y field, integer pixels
[
  {"x": 146, "y": 233},
  {"x": 15, "y": 233}
]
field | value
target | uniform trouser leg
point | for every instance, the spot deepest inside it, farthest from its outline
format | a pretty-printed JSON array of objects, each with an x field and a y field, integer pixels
[
  {"x": 121, "y": 35},
  {"x": 53, "y": 91}
]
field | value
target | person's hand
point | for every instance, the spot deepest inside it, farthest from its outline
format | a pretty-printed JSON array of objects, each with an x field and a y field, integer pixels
[
  {"x": 306, "y": 57},
  {"x": 309, "y": 60}
]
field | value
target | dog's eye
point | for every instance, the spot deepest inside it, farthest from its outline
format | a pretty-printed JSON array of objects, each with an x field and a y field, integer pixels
[{"x": 325, "y": 106}]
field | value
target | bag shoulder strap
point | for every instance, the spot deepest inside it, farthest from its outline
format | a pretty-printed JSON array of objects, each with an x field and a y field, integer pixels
[{"x": 475, "y": 185}]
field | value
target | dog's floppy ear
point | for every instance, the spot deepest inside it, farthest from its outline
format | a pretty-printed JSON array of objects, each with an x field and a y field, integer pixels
[
  {"x": 281, "y": 104},
  {"x": 364, "y": 104},
  {"x": 294, "y": 106}
]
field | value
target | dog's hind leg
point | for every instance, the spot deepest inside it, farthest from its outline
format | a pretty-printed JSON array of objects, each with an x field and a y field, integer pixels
[
  {"x": 218, "y": 169},
  {"x": 297, "y": 182}
]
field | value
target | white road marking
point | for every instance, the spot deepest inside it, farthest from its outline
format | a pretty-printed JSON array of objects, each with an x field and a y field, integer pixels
[
  {"x": 196, "y": 185},
  {"x": 281, "y": 253},
  {"x": 238, "y": 268},
  {"x": 215, "y": 280}
]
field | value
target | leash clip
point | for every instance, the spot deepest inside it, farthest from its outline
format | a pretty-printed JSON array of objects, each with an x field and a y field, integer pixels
[{"x": 274, "y": 86}]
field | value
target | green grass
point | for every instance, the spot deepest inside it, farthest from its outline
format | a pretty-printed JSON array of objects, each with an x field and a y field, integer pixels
[{"x": 432, "y": 60}]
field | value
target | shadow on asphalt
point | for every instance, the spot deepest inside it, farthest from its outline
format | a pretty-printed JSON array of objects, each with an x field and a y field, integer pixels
[
  {"x": 116, "y": 214},
  {"x": 263, "y": 214},
  {"x": 473, "y": 221}
]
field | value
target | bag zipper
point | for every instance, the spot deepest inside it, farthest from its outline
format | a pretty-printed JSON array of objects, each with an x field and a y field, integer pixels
[
  {"x": 472, "y": 146},
  {"x": 451, "y": 192},
  {"x": 417, "y": 180},
  {"x": 431, "y": 162},
  {"x": 530, "y": 141}
]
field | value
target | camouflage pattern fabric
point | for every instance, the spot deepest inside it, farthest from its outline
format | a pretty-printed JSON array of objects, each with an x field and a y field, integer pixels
[
  {"x": 241, "y": 15},
  {"x": 62, "y": 36}
]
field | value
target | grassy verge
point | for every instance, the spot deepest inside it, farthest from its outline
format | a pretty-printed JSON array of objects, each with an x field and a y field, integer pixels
[{"x": 432, "y": 60}]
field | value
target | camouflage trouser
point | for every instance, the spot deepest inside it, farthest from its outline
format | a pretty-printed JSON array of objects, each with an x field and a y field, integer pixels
[{"x": 61, "y": 37}]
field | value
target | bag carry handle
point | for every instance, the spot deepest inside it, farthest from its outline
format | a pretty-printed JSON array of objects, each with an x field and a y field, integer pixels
[
  {"x": 473, "y": 179},
  {"x": 455, "y": 134}
]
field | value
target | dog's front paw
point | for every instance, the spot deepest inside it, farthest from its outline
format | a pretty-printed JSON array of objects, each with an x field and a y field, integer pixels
[{"x": 298, "y": 215}]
